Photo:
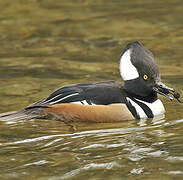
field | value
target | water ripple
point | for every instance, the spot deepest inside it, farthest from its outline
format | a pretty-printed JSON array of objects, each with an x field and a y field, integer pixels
[{"x": 101, "y": 166}]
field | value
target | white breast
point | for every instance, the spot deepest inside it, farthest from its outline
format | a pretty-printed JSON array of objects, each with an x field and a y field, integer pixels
[{"x": 156, "y": 107}]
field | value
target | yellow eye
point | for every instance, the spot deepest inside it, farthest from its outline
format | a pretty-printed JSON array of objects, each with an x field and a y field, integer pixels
[{"x": 145, "y": 77}]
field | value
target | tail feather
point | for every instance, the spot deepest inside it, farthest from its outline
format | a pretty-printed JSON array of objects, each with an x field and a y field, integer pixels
[
  {"x": 16, "y": 116},
  {"x": 25, "y": 114}
]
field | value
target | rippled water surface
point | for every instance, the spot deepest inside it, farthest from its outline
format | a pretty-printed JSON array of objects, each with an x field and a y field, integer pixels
[{"x": 47, "y": 44}]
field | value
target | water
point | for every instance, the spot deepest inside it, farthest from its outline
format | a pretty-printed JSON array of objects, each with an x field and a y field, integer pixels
[{"x": 48, "y": 44}]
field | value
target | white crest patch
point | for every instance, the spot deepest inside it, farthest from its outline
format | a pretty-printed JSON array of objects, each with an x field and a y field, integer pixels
[{"x": 127, "y": 70}]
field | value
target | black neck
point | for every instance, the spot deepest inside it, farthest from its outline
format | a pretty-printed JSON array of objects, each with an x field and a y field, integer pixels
[{"x": 150, "y": 98}]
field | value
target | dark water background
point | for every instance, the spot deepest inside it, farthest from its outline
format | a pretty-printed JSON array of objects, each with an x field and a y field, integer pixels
[{"x": 48, "y": 44}]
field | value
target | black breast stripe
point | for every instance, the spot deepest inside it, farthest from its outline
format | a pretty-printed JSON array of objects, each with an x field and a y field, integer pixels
[
  {"x": 145, "y": 108},
  {"x": 132, "y": 110}
]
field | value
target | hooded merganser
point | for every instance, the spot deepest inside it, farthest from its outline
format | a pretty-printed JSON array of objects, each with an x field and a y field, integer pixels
[{"x": 108, "y": 101}]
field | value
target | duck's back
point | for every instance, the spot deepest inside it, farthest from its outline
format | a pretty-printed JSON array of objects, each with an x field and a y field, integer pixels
[{"x": 94, "y": 93}]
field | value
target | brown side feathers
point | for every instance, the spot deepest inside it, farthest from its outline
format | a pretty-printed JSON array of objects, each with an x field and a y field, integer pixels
[{"x": 88, "y": 113}]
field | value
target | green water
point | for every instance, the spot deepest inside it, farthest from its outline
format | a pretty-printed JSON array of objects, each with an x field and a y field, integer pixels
[{"x": 48, "y": 44}]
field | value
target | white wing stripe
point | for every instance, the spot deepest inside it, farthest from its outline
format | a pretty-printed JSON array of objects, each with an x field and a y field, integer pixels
[
  {"x": 52, "y": 98},
  {"x": 64, "y": 98}
]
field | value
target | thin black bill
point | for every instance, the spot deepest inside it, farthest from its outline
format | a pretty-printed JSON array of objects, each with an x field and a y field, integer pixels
[{"x": 164, "y": 90}]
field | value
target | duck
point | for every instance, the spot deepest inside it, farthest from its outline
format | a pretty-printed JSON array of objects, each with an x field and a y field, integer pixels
[{"x": 107, "y": 101}]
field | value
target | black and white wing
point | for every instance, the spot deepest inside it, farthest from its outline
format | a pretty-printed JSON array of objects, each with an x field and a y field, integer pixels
[{"x": 100, "y": 93}]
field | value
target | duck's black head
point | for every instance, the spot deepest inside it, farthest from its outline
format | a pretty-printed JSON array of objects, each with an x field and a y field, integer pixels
[{"x": 140, "y": 72}]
